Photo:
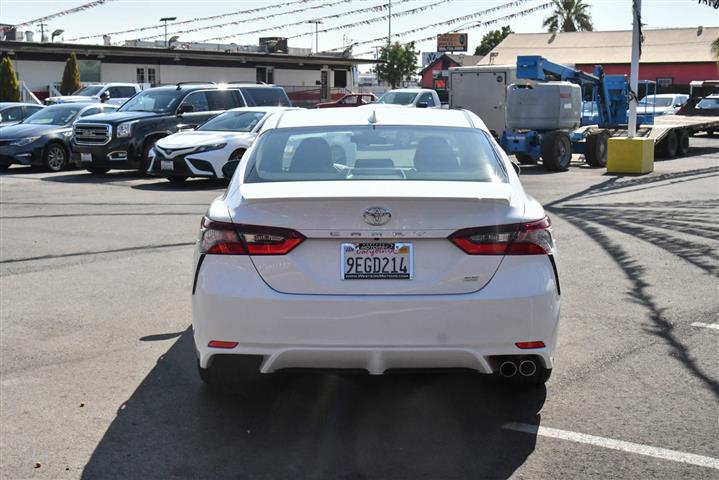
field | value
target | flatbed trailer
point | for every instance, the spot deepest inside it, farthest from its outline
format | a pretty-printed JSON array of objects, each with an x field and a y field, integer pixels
[{"x": 670, "y": 132}]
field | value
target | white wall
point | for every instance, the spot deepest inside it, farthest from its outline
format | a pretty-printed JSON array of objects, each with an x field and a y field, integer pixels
[{"x": 38, "y": 75}]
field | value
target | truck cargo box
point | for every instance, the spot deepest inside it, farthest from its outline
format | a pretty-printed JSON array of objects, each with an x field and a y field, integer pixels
[{"x": 544, "y": 106}]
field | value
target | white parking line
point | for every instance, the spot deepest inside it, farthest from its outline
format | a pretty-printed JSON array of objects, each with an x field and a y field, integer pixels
[
  {"x": 714, "y": 326},
  {"x": 662, "y": 453}
]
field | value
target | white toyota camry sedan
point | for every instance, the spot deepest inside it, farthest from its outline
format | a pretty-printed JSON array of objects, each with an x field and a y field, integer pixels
[{"x": 340, "y": 245}]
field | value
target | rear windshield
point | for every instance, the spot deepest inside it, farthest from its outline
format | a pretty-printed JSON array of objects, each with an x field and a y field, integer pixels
[
  {"x": 379, "y": 153},
  {"x": 266, "y": 97}
]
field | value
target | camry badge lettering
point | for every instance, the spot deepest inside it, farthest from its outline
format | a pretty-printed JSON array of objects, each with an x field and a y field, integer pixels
[{"x": 376, "y": 216}]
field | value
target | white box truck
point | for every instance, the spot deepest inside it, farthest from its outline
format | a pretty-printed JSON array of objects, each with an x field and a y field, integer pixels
[{"x": 482, "y": 90}]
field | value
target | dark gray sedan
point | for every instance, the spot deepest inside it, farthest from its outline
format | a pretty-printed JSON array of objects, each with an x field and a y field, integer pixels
[{"x": 43, "y": 139}]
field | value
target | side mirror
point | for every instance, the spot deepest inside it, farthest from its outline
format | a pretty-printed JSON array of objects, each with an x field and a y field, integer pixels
[
  {"x": 185, "y": 108},
  {"x": 516, "y": 168},
  {"x": 422, "y": 104},
  {"x": 228, "y": 169},
  {"x": 104, "y": 96}
]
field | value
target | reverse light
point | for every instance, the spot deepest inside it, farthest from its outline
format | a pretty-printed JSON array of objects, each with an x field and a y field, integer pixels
[
  {"x": 526, "y": 345},
  {"x": 531, "y": 238},
  {"x": 222, "y": 238}
]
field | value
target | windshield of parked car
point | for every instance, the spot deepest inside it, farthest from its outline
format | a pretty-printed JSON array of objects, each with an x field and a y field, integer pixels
[
  {"x": 659, "y": 102},
  {"x": 708, "y": 103},
  {"x": 156, "y": 101},
  {"x": 397, "y": 98},
  {"x": 267, "y": 97},
  {"x": 375, "y": 153},
  {"x": 233, "y": 122},
  {"x": 59, "y": 115},
  {"x": 89, "y": 90}
]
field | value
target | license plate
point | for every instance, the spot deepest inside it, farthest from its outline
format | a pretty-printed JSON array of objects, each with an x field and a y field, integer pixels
[
  {"x": 377, "y": 261},
  {"x": 167, "y": 165},
  {"x": 86, "y": 157}
]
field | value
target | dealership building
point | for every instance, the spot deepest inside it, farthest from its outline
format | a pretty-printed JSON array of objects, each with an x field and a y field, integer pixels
[
  {"x": 672, "y": 57},
  {"x": 39, "y": 66}
]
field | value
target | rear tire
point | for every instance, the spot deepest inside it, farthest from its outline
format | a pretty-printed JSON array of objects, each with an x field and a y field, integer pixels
[
  {"x": 525, "y": 159},
  {"x": 97, "y": 170},
  {"x": 595, "y": 151},
  {"x": 669, "y": 145},
  {"x": 556, "y": 151}
]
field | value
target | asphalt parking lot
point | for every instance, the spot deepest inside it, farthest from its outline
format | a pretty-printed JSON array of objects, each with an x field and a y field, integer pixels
[{"x": 97, "y": 365}]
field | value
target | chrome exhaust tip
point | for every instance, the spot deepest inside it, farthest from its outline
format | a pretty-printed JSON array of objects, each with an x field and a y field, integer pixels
[
  {"x": 508, "y": 369},
  {"x": 527, "y": 368}
]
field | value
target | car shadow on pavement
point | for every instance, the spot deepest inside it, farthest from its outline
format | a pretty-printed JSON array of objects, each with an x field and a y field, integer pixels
[
  {"x": 163, "y": 185},
  {"x": 316, "y": 426},
  {"x": 686, "y": 229},
  {"x": 82, "y": 176}
]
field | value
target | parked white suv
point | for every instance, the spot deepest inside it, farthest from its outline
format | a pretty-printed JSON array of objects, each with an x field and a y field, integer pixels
[
  {"x": 112, "y": 93},
  {"x": 663, "y": 104}
]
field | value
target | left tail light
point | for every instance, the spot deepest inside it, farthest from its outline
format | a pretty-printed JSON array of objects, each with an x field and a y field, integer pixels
[
  {"x": 221, "y": 238},
  {"x": 531, "y": 238}
]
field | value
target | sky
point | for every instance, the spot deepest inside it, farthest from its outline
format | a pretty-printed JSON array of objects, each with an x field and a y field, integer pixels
[{"x": 118, "y": 15}]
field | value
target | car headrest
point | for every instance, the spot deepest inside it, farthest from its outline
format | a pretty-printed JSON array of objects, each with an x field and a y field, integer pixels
[
  {"x": 434, "y": 154},
  {"x": 313, "y": 155}
]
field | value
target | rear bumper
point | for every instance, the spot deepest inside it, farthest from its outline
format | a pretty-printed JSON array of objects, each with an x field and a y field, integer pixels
[{"x": 375, "y": 333}]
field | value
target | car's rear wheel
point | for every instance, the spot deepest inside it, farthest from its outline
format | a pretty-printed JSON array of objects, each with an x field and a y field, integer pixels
[
  {"x": 55, "y": 158},
  {"x": 98, "y": 170}
]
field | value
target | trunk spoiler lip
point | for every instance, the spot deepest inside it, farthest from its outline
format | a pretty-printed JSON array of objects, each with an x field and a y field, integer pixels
[{"x": 384, "y": 189}]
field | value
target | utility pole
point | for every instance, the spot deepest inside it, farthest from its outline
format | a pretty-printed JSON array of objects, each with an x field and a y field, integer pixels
[
  {"x": 389, "y": 24},
  {"x": 634, "y": 70},
  {"x": 42, "y": 31}
]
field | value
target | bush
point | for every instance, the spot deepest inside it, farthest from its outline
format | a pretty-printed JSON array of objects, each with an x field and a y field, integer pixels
[
  {"x": 9, "y": 87},
  {"x": 71, "y": 76}
]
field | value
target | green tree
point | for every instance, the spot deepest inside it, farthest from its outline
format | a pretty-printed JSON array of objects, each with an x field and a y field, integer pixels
[
  {"x": 491, "y": 40},
  {"x": 569, "y": 16},
  {"x": 71, "y": 76},
  {"x": 399, "y": 62},
  {"x": 9, "y": 87},
  {"x": 715, "y": 50}
]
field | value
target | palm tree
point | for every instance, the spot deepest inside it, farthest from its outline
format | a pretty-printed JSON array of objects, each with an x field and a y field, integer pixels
[{"x": 569, "y": 16}]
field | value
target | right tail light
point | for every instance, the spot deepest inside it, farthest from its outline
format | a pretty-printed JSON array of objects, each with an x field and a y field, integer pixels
[{"x": 531, "y": 238}]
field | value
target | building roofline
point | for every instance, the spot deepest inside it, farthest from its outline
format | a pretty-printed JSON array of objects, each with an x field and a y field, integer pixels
[{"x": 88, "y": 49}]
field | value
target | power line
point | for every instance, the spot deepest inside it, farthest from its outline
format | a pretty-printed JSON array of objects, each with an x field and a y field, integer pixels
[
  {"x": 273, "y": 5},
  {"x": 69, "y": 11},
  {"x": 255, "y": 19},
  {"x": 486, "y": 23},
  {"x": 376, "y": 8}
]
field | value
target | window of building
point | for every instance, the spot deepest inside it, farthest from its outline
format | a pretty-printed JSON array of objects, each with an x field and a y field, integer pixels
[
  {"x": 340, "y": 78},
  {"x": 140, "y": 75},
  {"x": 151, "y": 76},
  {"x": 89, "y": 70},
  {"x": 265, "y": 74}
]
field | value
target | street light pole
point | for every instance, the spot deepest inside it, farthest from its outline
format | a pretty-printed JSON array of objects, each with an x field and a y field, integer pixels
[
  {"x": 634, "y": 70},
  {"x": 317, "y": 34},
  {"x": 389, "y": 23},
  {"x": 165, "y": 20}
]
